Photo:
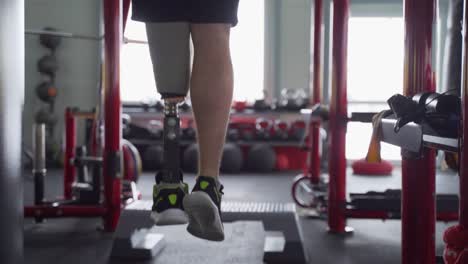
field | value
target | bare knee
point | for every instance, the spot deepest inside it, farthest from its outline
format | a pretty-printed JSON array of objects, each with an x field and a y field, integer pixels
[{"x": 211, "y": 41}]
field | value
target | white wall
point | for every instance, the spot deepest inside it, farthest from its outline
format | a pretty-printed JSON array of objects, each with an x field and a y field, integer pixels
[
  {"x": 294, "y": 45},
  {"x": 78, "y": 75}
]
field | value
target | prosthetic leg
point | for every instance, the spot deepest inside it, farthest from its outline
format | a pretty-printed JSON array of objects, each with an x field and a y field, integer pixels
[
  {"x": 169, "y": 46},
  {"x": 171, "y": 172},
  {"x": 170, "y": 190}
]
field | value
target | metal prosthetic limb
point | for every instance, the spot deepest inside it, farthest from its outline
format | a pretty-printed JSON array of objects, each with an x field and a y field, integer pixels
[{"x": 171, "y": 172}]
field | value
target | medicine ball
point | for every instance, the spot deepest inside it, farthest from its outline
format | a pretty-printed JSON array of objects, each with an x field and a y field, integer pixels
[
  {"x": 232, "y": 160},
  {"x": 261, "y": 158},
  {"x": 190, "y": 159},
  {"x": 153, "y": 157}
]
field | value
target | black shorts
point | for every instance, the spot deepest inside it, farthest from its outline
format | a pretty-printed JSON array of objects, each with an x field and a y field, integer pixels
[{"x": 192, "y": 11}]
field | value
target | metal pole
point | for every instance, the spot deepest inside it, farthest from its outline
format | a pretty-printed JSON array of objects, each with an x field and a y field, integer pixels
[
  {"x": 11, "y": 106},
  {"x": 134, "y": 41},
  {"x": 69, "y": 172},
  {"x": 112, "y": 112},
  {"x": 314, "y": 167},
  {"x": 62, "y": 34},
  {"x": 39, "y": 162},
  {"x": 464, "y": 126},
  {"x": 338, "y": 120},
  {"x": 327, "y": 24},
  {"x": 418, "y": 172}
]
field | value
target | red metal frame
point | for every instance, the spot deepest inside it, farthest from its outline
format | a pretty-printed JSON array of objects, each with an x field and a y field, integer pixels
[
  {"x": 418, "y": 174},
  {"x": 112, "y": 112},
  {"x": 464, "y": 126},
  {"x": 338, "y": 120},
  {"x": 418, "y": 190},
  {"x": 69, "y": 174},
  {"x": 314, "y": 140}
]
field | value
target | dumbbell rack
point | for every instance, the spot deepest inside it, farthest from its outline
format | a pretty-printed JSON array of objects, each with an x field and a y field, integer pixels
[{"x": 141, "y": 116}]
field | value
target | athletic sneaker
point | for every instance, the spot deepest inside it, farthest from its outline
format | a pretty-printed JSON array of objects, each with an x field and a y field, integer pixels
[
  {"x": 203, "y": 207},
  {"x": 167, "y": 203}
]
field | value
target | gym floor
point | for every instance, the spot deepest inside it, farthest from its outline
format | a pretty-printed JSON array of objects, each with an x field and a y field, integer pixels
[{"x": 76, "y": 241}]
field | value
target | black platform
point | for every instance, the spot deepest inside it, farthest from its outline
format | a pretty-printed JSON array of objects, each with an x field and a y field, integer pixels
[{"x": 282, "y": 242}]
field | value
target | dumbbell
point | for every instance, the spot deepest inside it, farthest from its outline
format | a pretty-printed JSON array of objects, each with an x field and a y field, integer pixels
[
  {"x": 292, "y": 99},
  {"x": 233, "y": 134},
  {"x": 261, "y": 105},
  {"x": 247, "y": 132},
  {"x": 263, "y": 128},
  {"x": 297, "y": 130},
  {"x": 281, "y": 130}
]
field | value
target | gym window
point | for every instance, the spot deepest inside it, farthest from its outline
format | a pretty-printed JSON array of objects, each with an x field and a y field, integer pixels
[
  {"x": 247, "y": 50},
  {"x": 375, "y": 73}
]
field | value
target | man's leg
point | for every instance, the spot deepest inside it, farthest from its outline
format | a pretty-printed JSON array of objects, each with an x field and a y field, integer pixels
[
  {"x": 169, "y": 45},
  {"x": 211, "y": 92}
]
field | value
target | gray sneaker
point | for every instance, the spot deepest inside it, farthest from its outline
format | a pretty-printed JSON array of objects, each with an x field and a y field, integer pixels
[{"x": 203, "y": 207}]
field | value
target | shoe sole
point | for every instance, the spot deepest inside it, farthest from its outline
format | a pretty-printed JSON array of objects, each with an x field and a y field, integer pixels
[
  {"x": 204, "y": 219},
  {"x": 170, "y": 217}
]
